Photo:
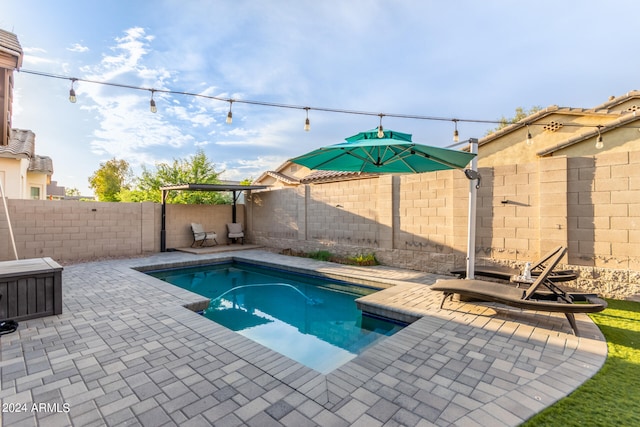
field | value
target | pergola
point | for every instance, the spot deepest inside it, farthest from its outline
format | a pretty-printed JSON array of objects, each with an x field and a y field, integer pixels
[{"x": 236, "y": 189}]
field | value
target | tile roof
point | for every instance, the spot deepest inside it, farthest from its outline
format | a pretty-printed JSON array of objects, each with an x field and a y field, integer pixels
[
  {"x": 282, "y": 177},
  {"x": 9, "y": 43},
  {"x": 615, "y": 101},
  {"x": 326, "y": 176},
  {"x": 21, "y": 144},
  {"x": 42, "y": 164}
]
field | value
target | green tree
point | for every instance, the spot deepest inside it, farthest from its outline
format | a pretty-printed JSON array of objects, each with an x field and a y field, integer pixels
[
  {"x": 110, "y": 179},
  {"x": 520, "y": 114},
  {"x": 197, "y": 169},
  {"x": 73, "y": 192}
]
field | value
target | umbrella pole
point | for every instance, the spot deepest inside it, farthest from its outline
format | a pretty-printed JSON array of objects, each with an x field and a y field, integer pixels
[{"x": 471, "y": 229}]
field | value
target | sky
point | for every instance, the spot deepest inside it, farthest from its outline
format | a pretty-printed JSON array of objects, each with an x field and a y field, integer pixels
[{"x": 463, "y": 59}]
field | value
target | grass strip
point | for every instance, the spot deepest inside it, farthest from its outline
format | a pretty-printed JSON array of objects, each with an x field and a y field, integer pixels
[{"x": 612, "y": 396}]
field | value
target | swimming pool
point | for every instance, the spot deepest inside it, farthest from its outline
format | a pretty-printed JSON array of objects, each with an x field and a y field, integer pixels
[{"x": 309, "y": 319}]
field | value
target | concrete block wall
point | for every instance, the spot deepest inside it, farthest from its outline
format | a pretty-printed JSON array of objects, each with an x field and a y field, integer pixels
[
  {"x": 68, "y": 230},
  {"x": 277, "y": 214},
  {"x": 604, "y": 219},
  {"x": 344, "y": 213},
  {"x": 409, "y": 221}
]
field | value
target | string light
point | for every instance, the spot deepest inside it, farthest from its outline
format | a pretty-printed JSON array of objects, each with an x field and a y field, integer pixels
[
  {"x": 456, "y": 135},
  {"x": 599, "y": 142},
  {"x": 72, "y": 93},
  {"x": 529, "y": 137},
  {"x": 380, "y": 129},
  {"x": 296, "y": 107},
  {"x": 307, "y": 123},
  {"x": 229, "y": 114},
  {"x": 152, "y": 103}
]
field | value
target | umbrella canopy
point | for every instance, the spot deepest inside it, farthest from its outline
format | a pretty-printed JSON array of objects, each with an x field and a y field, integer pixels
[{"x": 393, "y": 153}]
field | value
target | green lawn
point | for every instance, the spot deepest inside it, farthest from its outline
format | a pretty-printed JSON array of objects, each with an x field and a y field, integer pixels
[{"x": 612, "y": 396}]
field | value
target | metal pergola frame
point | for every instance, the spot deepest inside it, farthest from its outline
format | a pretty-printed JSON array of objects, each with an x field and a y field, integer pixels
[{"x": 236, "y": 189}]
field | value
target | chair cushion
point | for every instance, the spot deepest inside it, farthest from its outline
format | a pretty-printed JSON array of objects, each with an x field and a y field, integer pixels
[{"x": 234, "y": 228}]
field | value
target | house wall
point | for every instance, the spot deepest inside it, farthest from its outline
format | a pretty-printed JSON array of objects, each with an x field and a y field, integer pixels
[
  {"x": 511, "y": 148},
  {"x": 38, "y": 180},
  {"x": 623, "y": 140},
  {"x": 15, "y": 176},
  {"x": 591, "y": 205},
  {"x": 68, "y": 230}
]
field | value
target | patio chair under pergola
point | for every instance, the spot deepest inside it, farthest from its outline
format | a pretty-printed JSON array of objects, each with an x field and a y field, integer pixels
[{"x": 236, "y": 189}]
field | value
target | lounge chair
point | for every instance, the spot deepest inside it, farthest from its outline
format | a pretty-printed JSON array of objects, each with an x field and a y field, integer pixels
[
  {"x": 503, "y": 272},
  {"x": 553, "y": 299},
  {"x": 201, "y": 237},
  {"x": 235, "y": 232}
]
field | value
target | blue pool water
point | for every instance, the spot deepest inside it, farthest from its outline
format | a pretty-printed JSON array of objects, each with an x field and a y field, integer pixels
[{"x": 308, "y": 319}]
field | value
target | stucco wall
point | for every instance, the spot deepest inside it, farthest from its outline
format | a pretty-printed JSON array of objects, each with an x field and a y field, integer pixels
[{"x": 15, "y": 172}]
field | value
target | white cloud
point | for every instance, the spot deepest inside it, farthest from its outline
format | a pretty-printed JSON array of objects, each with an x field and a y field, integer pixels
[
  {"x": 33, "y": 50},
  {"x": 77, "y": 47}
]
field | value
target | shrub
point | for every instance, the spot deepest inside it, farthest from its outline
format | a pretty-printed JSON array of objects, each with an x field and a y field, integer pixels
[{"x": 321, "y": 255}]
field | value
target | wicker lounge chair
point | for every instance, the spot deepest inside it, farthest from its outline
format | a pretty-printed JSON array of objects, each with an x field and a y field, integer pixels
[
  {"x": 552, "y": 299},
  {"x": 201, "y": 237},
  {"x": 503, "y": 272}
]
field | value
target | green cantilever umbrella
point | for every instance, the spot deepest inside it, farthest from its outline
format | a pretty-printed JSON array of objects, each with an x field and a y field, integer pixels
[{"x": 391, "y": 152}]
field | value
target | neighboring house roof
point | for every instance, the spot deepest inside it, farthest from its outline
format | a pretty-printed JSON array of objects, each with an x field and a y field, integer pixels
[
  {"x": 625, "y": 120},
  {"x": 329, "y": 176},
  {"x": 282, "y": 177},
  {"x": 41, "y": 164},
  {"x": 9, "y": 44},
  {"x": 314, "y": 176},
  {"x": 616, "y": 112},
  {"x": 553, "y": 109},
  {"x": 21, "y": 145},
  {"x": 615, "y": 101},
  {"x": 279, "y": 175}
]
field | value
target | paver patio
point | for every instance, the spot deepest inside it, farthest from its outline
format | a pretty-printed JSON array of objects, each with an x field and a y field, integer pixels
[{"x": 125, "y": 351}]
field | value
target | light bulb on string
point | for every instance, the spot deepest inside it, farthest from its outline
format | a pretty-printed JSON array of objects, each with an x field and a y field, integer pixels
[
  {"x": 529, "y": 137},
  {"x": 380, "y": 129},
  {"x": 229, "y": 114},
  {"x": 152, "y": 104},
  {"x": 599, "y": 141},
  {"x": 307, "y": 123},
  {"x": 456, "y": 135},
  {"x": 72, "y": 93}
]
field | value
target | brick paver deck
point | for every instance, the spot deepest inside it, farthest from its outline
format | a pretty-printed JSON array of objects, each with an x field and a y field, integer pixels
[{"x": 125, "y": 351}]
